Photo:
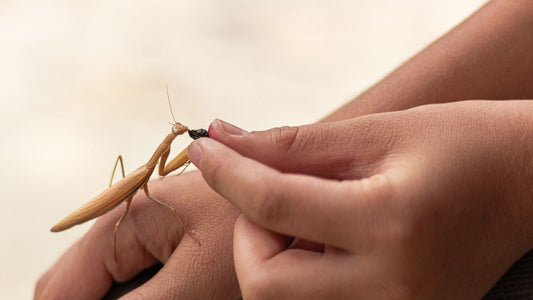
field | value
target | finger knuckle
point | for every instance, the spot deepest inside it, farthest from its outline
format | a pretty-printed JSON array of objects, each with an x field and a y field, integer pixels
[
  {"x": 285, "y": 138},
  {"x": 379, "y": 201},
  {"x": 268, "y": 206},
  {"x": 399, "y": 228},
  {"x": 217, "y": 174}
]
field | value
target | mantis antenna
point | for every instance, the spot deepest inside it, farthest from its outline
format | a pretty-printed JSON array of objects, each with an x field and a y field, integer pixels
[{"x": 170, "y": 105}]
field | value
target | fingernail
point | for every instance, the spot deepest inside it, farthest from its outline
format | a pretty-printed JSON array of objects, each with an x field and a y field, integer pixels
[
  {"x": 195, "y": 152},
  {"x": 228, "y": 128}
]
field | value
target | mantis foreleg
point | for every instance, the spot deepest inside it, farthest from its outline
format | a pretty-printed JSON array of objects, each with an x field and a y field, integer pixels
[{"x": 180, "y": 160}]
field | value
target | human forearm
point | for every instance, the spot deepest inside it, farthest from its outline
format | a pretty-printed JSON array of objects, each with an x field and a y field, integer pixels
[{"x": 488, "y": 56}]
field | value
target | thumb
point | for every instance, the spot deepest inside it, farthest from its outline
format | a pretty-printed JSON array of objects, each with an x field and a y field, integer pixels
[{"x": 337, "y": 150}]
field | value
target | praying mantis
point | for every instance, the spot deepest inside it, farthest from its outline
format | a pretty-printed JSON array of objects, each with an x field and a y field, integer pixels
[{"x": 127, "y": 187}]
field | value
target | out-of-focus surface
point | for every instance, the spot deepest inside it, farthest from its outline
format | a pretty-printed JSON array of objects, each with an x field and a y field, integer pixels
[{"x": 83, "y": 81}]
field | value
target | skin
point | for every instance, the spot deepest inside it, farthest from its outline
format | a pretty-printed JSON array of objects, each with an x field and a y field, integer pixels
[
  {"x": 87, "y": 269},
  {"x": 428, "y": 203},
  {"x": 485, "y": 57}
]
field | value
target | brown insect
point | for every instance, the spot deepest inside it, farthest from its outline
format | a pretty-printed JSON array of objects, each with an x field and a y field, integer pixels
[{"x": 125, "y": 189}]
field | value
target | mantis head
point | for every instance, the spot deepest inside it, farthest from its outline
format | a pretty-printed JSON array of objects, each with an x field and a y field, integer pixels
[{"x": 178, "y": 129}]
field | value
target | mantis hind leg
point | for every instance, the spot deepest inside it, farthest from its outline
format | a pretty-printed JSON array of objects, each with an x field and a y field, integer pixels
[
  {"x": 128, "y": 203},
  {"x": 119, "y": 158},
  {"x": 145, "y": 188}
]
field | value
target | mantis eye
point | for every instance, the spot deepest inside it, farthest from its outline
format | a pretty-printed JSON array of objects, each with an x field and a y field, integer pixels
[{"x": 174, "y": 129}]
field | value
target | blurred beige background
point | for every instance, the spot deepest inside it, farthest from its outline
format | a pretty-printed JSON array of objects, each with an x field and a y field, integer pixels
[{"x": 83, "y": 81}]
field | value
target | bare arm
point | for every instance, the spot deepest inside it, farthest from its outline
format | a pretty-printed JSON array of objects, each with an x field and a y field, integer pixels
[{"x": 488, "y": 56}]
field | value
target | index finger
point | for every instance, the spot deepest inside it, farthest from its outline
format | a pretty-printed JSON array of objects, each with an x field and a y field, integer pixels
[{"x": 316, "y": 209}]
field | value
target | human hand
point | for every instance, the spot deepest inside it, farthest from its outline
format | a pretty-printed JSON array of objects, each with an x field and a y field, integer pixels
[
  {"x": 150, "y": 234},
  {"x": 432, "y": 202}
]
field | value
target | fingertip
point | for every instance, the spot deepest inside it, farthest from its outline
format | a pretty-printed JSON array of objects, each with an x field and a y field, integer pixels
[
  {"x": 195, "y": 152},
  {"x": 203, "y": 150},
  {"x": 219, "y": 129}
]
